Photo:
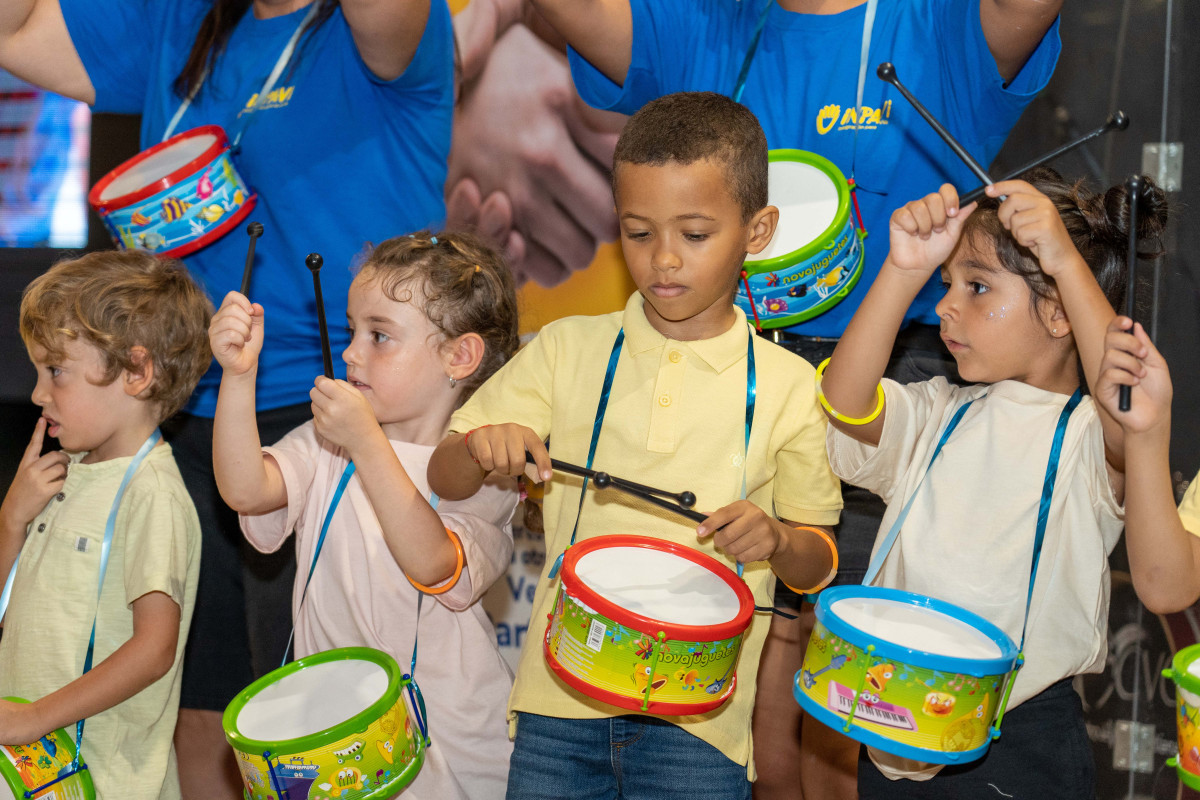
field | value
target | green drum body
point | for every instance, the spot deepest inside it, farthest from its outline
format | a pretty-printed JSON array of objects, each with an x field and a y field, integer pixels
[
  {"x": 330, "y": 725},
  {"x": 816, "y": 255},
  {"x": 43, "y": 768},
  {"x": 906, "y": 674},
  {"x": 1185, "y": 671},
  {"x": 648, "y": 625}
]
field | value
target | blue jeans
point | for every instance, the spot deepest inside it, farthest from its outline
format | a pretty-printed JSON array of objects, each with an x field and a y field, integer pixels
[{"x": 632, "y": 757}]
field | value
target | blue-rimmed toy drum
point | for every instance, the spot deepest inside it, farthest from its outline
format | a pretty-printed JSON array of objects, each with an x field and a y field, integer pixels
[
  {"x": 44, "y": 769},
  {"x": 175, "y": 197},
  {"x": 816, "y": 255},
  {"x": 906, "y": 674},
  {"x": 1185, "y": 672}
]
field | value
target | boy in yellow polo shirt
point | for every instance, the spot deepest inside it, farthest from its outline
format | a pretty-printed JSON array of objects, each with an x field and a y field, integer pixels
[{"x": 683, "y": 379}]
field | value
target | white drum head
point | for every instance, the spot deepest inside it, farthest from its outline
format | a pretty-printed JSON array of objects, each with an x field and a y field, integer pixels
[
  {"x": 312, "y": 699},
  {"x": 807, "y": 200},
  {"x": 158, "y": 166},
  {"x": 915, "y": 627},
  {"x": 659, "y": 585}
]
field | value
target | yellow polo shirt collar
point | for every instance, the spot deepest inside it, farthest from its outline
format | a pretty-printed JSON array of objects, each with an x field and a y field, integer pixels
[{"x": 719, "y": 352}]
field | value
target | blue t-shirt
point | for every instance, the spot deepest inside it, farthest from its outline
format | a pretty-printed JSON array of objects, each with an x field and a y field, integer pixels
[
  {"x": 338, "y": 157},
  {"x": 940, "y": 54}
]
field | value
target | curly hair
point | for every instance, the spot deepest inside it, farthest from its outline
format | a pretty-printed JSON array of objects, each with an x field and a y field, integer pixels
[
  {"x": 119, "y": 300},
  {"x": 464, "y": 285}
]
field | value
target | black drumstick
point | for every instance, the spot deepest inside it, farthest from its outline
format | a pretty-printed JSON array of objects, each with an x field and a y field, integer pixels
[
  {"x": 314, "y": 262},
  {"x": 887, "y": 72},
  {"x": 651, "y": 495},
  {"x": 1134, "y": 186},
  {"x": 255, "y": 230},
  {"x": 1116, "y": 122}
]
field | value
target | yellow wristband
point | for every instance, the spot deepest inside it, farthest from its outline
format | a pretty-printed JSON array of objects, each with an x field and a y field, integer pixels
[
  {"x": 458, "y": 568},
  {"x": 832, "y": 551},
  {"x": 838, "y": 415}
]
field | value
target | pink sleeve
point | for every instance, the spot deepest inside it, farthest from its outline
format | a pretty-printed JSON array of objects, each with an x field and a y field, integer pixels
[
  {"x": 296, "y": 454},
  {"x": 483, "y": 525}
]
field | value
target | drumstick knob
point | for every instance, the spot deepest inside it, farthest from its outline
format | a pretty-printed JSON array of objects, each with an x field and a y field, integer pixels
[
  {"x": 687, "y": 499},
  {"x": 314, "y": 262},
  {"x": 1119, "y": 121},
  {"x": 602, "y": 480},
  {"x": 887, "y": 72},
  {"x": 254, "y": 229}
]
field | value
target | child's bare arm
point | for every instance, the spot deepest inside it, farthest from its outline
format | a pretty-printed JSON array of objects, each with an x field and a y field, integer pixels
[
  {"x": 38, "y": 478},
  {"x": 1164, "y": 558},
  {"x": 249, "y": 481},
  {"x": 463, "y": 460},
  {"x": 923, "y": 234},
  {"x": 144, "y": 658},
  {"x": 746, "y": 533},
  {"x": 600, "y": 30}
]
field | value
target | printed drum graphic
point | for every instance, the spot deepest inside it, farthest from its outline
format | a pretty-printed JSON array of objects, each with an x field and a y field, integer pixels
[
  {"x": 904, "y": 673},
  {"x": 648, "y": 625},
  {"x": 1185, "y": 671},
  {"x": 43, "y": 768}
]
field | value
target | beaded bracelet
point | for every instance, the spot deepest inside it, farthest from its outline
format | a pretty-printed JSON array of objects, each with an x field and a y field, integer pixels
[
  {"x": 467, "y": 441},
  {"x": 452, "y": 581},
  {"x": 842, "y": 417},
  {"x": 832, "y": 551}
]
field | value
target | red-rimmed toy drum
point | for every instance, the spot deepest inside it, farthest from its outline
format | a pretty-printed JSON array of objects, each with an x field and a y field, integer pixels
[
  {"x": 175, "y": 197},
  {"x": 648, "y": 625}
]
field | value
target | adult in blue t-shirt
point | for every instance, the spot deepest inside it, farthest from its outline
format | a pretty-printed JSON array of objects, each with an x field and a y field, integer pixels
[
  {"x": 975, "y": 64},
  {"x": 350, "y": 147}
]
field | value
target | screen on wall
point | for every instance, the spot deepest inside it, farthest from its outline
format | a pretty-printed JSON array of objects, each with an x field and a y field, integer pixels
[{"x": 43, "y": 167}]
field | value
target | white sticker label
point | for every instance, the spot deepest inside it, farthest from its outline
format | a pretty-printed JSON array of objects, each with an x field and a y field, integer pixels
[{"x": 596, "y": 635}]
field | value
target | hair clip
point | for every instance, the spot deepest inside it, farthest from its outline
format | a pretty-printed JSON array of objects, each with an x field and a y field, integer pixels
[
  {"x": 433, "y": 239},
  {"x": 478, "y": 269}
]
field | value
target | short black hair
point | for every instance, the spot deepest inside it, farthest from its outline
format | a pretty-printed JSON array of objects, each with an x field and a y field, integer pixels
[{"x": 686, "y": 127}]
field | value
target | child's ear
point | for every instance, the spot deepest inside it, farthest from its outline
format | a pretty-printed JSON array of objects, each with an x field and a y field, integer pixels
[
  {"x": 141, "y": 376},
  {"x": 1054, "y": 317},
  {"x": 762, "y": 228},
  {"x": 463, "y": 356}
]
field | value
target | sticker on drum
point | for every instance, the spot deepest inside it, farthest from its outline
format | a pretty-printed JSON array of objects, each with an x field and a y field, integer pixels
[
  {"x": 816, "y": 255},
  {"x": 1185, "y": 672},
  {"x": 43, "y": 767},
  {"x": 175, "y": 197},
  {"x": 336, "y": 721},
  {"x": 904, "y": 673},
  {"x": 648, "y": 625}
]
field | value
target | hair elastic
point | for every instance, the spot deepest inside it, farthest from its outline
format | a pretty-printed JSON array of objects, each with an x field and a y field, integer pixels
[
  {"x": 452, "y": 581},
  {"x": 467, "y": 442},
  {"x": 832, "y": 552},
  {"x": 842, "y": 417}
]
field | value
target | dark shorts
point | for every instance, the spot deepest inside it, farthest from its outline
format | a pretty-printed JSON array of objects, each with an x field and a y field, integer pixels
[
  {"x": 243, "y": 614},
  {"x": 1043, "y": 752},
  {"x": 918, "y": 356}
]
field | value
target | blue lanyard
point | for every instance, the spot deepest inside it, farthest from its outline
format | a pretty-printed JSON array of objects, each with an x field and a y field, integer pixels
[
  {"x": 110, "y": 527},
  {"x": 1060, "y": 430},
  {"x": 868, "y": 27},
  {"x": 602, "y": 406}
]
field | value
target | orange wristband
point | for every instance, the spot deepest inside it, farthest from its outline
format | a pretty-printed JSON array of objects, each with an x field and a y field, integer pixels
[
  {"x": 467, "y": 441},
  {"x": 832, "y": 552},
  {"x": 458, "y": 568}
]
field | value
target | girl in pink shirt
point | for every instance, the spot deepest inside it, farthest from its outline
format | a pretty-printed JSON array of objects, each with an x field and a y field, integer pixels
[{"x": 430, "y": 318}]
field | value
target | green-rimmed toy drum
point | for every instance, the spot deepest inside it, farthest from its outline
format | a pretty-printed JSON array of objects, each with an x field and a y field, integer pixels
[
  {"x": 648, "y": 625},
  {"x": 43, "y": 769},
  {"x": 336, "y": 722},
  {"x": 816, "y": 255},
  {"x": 1185, "y": 671},
  {"x": 906, "y": 674}
]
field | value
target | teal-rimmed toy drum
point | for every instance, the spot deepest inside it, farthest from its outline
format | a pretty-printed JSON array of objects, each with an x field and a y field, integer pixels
[
  {"x": 334, "y": 724},
  {"x": 648, "y": 625},
  {"x": 906, "y": 674},
  {"x": 1185, "y": 672},
  {"x": 44, "y": 769},
  {"x": 816, "y": 255},
  {"x": 175, "y": 197}
]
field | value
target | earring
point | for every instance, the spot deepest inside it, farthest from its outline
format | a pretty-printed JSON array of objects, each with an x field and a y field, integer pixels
[{"x": 453, "y": 382}]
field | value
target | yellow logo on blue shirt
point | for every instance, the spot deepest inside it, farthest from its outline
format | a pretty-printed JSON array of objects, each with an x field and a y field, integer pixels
[
  {"x": 278, "y": 98},
  {"x": 863, "y": 119}
]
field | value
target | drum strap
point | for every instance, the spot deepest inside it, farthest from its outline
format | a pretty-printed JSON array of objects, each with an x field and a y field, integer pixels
[
  {"x": 110, "y": 527},
  {"x": 602, "y": 406},
  {"x": 280, "y": 65}
]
